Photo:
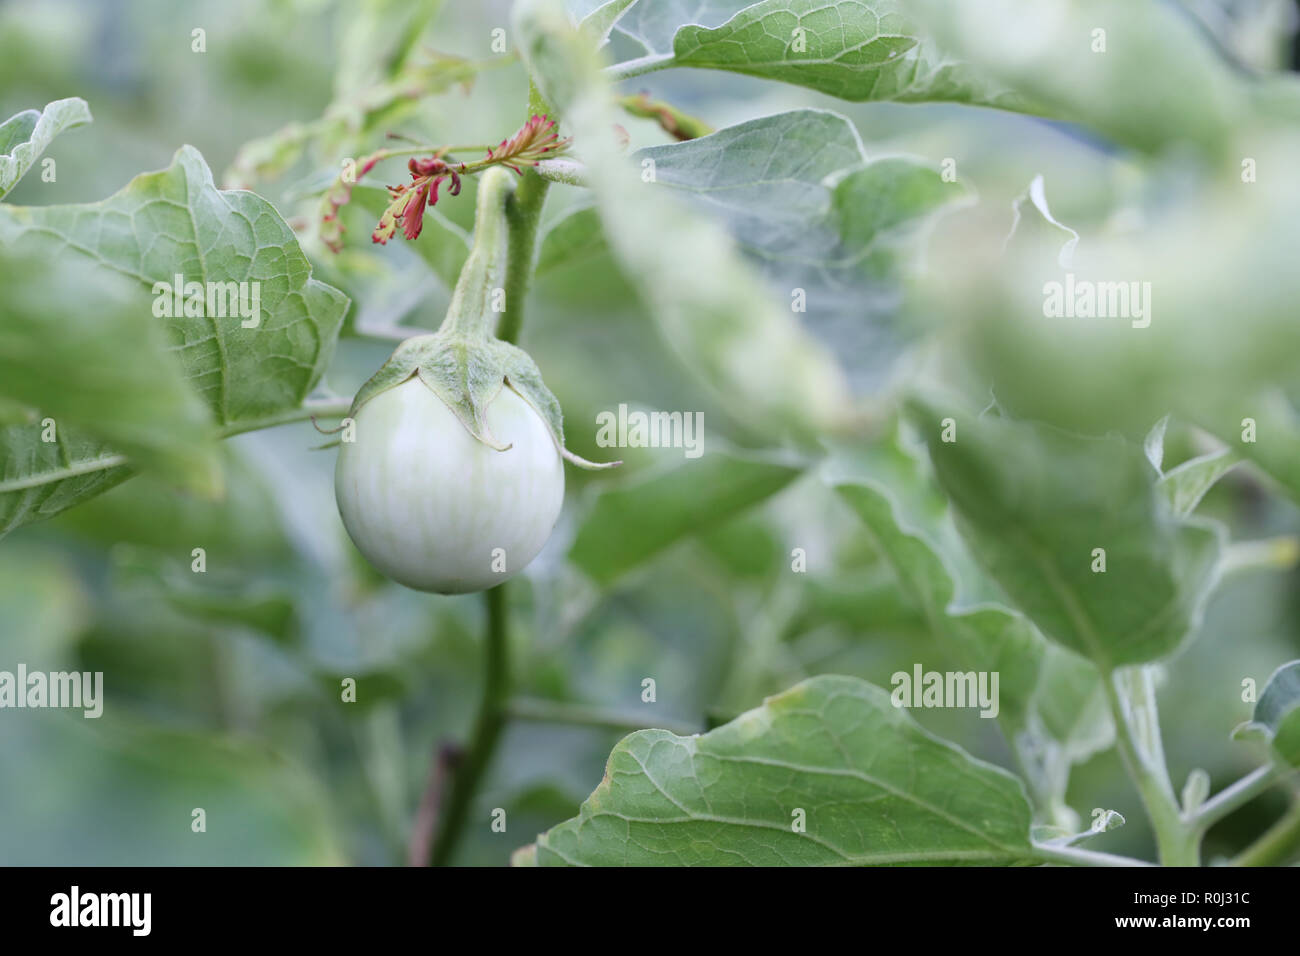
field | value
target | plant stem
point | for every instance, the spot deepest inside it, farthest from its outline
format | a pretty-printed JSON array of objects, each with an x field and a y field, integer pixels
[
  {"x": 1076, "y": 856},
  {"x": 469, "y": 314},
  {"x": 639, "y": 66},
  {"x": 1132, "y": 701},
  {"x": 567, "y": 171},
  {"x": 468, "y": 772},
  {"x": 1235, "y": 796},
  {"x": 1278, "y": 844},
  {"x": 578, "y": 715},
  {"x": 523, "y": 215},
  {"x": 522, "y": 208},
  {"x": 679, "y": 125},
  {"x": 325, "y": 408}
]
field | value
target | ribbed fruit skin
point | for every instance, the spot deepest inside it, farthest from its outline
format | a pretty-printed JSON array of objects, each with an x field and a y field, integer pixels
[{"x": 428, "y": 504}]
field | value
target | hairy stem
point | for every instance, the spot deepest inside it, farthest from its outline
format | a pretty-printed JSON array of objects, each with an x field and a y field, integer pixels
[
  {"x": 519, "y": 210},
  {"x": 523, "y": 215},
  {"x": 1076, "y": 856},
  {"x": 1132, "y": 701},
  {"x": 325, "y": 408},
  {"x": 470, "y": 313},
  {"x": 1234, "y": 797},
  {"x": 640, "y": 66},
  {"x": 567, "y": 171},
  {"x": 491, "y": 720}
]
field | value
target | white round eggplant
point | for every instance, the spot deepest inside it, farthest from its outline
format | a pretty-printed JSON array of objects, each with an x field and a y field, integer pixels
[{"x": 434, "y": 508}]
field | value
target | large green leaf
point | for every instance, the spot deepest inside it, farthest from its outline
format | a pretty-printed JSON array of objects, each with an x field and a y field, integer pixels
[
  {"x": 872, "y": 785},
  {"x": 176, "y": 222},
  {"x": 722, "y": 324},
  {"x": 103, "y": 369},
  {"x": 597, "y": 19},
  {"x": 856, "y": 50},
  {"x": 127, "y": 393},
  {"x": 24, "y": 136},
  {"x": 654, "y": 24},
  {"x": 800, "y": 196},
  {"x": 1051, "y": 701},
  {"x": 1034, "y": 503},
  {"x": 797, "y": 189},
  {"x": 38, "y": 479},
  {"x": 632, "y": 522},
  {"x": 571, "y": 238}
]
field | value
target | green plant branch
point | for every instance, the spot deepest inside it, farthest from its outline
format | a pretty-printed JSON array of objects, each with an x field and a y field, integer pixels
[
  {"x": 468, "y": 771},
  {"x": 639, "y": 66},
  {"x": 523, "y": 216},
  {"x": 676, "y": 123},
  {"x": 579, "y": 715},
  {"x": 567, "y": 171},
  {"x": 1076, "y": 856},
  {"x": 1131, "y": 698},
  {"x": 1279, "y": 844},
  {"x": 1235, "y": 796},
  {"x": 470, "y": 314},
  {"x": 323, "y": 408},
  {"x": 523, "y": 209}
]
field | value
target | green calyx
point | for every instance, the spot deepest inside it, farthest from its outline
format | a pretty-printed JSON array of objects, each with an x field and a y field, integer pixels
[{"x": 463, "y": 363}]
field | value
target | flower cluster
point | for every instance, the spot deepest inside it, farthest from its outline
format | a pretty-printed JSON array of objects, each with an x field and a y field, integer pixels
[
  {"x": 536, "y": 140},
  {"x": 410, "y": 199},
  {"x": 530, "y": 145}
]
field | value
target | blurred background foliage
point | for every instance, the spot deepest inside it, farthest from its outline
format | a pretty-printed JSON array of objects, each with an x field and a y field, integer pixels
[{"x": 223, "y": 688}]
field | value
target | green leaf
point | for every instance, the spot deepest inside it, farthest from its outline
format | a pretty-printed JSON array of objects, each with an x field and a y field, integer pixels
[
  {"x": 797, "y": 189},
  {"x": 631, "y": 522},
  {"x": 1185, "y": 485},
  {"x": 799, "y": 194},
  {"x": 176, "y": 222},
  {"x": 38, "y": 479},
  {"x": 1277, "y": 714},
  {"x": 601, "y": 19},
  {"x": 857, "y": 50},
  {"x": 874, "y": 788},
  {"x": 103, "y": 369},
  {"x": 1034, "y": 503},
  {"x": 25, "y": 136},
  {"x": 769, "y": 373},
  {"x": 1052, "y": 702},
  {"x": 572, "y": 238},
  {"x": 654, "y": 24}
]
